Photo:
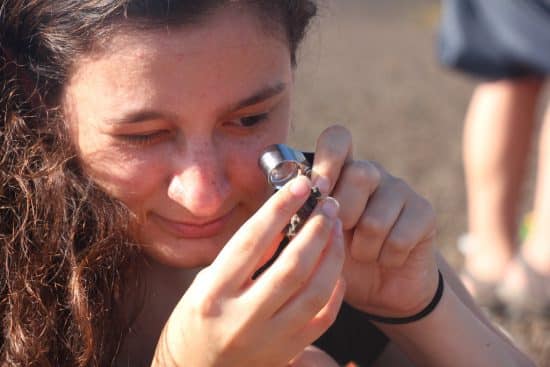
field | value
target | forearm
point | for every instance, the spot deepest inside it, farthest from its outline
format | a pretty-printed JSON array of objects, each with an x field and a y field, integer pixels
[{"x": 453, "y": 336}]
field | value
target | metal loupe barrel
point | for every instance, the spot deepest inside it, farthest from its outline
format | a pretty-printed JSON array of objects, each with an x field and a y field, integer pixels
[{"x": 281, "y": 164}]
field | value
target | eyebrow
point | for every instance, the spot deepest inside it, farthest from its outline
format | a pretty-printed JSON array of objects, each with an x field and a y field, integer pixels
[
  {"x": 138, "y": 116},
  {"x": 260, "y": 96}
]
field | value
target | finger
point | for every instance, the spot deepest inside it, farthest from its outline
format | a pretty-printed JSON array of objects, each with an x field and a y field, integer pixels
[
  {"x": 376, "y": 222},
  {"x": 314, "y": 295},
  {"x": 294, "y": 266},
  {"x": 240, "y": 256},
  {"x": 325, "y": 317},
  {"x": 359, "y": 179},
  {"x": 415, "y": 224},
  {"x": 333, "y": 149}
]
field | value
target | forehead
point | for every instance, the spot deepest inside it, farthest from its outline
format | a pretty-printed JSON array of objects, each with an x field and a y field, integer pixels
[
  {"x": 228, "y": 51},
  {"x": 226, "y": 27}
]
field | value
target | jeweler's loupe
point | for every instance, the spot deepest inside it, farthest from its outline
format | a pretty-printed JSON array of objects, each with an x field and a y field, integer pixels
[{"x": 281, "y": 164}]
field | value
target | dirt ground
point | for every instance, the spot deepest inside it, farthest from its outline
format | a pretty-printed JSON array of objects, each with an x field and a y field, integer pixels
[{"x": 371, "y": 66}]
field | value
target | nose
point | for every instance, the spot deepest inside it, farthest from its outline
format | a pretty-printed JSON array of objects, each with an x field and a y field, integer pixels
[{"x": 200, "y": 183}]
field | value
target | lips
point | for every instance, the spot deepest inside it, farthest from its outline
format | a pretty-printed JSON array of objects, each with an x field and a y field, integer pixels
[{"x": 192, "y": 230}]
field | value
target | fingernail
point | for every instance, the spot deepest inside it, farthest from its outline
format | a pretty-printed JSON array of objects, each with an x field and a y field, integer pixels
[
  {"x": 300, "y": 186},
  {"x": 330, "y": 207},
  {"x": 323, "y": 184}
]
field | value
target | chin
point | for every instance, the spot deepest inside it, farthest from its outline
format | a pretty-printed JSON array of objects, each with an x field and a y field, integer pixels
[{"x": 186, "y": 253}]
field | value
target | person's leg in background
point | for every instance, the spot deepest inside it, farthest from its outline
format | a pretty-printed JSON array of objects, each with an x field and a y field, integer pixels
[
  {"x": 497, "y": 139},
  {"x": 537, "y": 246},
  {"x": 527, "y": 284}
]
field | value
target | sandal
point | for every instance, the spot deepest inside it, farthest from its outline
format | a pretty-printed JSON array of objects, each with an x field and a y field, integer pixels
[
  {"x": 484, "y": 292},
  {"x": 530, "y": 298}
]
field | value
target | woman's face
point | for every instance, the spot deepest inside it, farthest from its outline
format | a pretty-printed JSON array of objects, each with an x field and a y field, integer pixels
[{"x": 172, "y": 122}]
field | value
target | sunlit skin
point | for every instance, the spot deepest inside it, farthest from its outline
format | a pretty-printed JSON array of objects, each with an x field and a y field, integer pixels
[{"x": 172, "y": 123}]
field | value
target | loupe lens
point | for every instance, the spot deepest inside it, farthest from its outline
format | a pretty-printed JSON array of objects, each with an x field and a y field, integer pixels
[
  {"x": 284, "y": 172},
  {"x": 281, "y": 163}
]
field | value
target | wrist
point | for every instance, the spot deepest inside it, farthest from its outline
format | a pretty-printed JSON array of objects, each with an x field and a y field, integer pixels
[
  {"x": 425, "y": 311},
  {"x": 452, "y": 335}
]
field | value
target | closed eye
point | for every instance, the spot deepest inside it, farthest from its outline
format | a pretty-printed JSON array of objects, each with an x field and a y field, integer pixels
[{"x": 144, "y": 139}]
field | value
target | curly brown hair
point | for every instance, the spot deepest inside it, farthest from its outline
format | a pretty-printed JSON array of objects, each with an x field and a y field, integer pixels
[{"x": 67, "y": 258}]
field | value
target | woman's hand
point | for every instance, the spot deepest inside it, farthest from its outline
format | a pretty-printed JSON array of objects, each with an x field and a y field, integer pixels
[
  {"x": 228, "y": 319},
  {"x": 390, "y": 267}
]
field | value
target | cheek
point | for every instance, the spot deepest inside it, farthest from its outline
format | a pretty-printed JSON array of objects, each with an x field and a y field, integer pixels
[
  {"x": 132, "y": 179},
  {"x": 243, "y": 168},
  {"x": 252, "y": 186}
]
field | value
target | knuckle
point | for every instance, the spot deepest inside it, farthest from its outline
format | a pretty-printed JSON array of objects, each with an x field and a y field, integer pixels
[
  {"x": 370, "y": 225},
  {"x": 399, "y": 242},
  {"x": 363, "y": 174}
]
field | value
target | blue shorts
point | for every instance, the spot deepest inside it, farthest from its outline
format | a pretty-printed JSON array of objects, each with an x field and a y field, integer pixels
[{"x": 496, "y": 39}]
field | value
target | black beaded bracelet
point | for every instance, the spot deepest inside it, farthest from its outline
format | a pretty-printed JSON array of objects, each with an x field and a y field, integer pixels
[{"x": 405, "y": 320}]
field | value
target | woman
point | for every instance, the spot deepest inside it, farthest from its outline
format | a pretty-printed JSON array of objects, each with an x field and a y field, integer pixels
[{"x": 134, "y": 128}]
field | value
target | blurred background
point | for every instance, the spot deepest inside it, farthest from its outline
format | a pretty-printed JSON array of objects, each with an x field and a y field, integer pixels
[{"x": 371, "y": 66}]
